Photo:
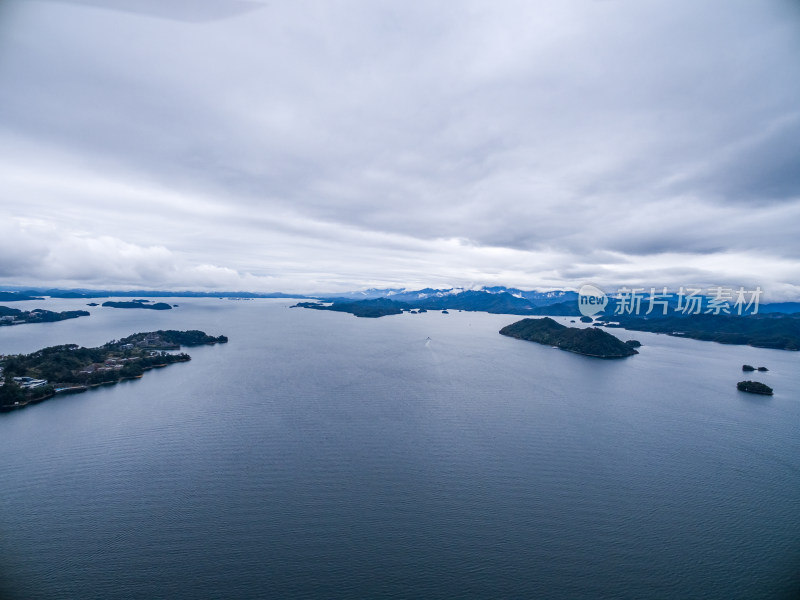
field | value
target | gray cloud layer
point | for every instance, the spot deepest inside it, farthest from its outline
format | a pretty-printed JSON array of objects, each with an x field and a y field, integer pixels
[{"x": 329, "y": 145}]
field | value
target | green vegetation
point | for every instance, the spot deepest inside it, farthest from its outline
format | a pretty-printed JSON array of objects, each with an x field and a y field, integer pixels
[
  {"x": 14, "y": 316},
  {"x": 11, "y": 394},
  {"x": 589, "y": 341},
  {"x": 70, "y": 364},
  {"x": 370, "y": 309},
  {"x": 470, "y": 300},
  {"x": 138, "y": 304},
  {"x": 72, "y": 367},
  {"x": 772, "y": 330},
  {"x": 18, "y": 296},
  {"x": 170, "y": 338},
  {"x": 754, "y": 387}
]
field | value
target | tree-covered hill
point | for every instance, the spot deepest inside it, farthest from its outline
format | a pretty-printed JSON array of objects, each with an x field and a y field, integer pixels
[
  {"x": 772, "y": 330},
  {"x": 589, "y": 341},
  {"x": 71, "y": 366},
  {"x": 14, "y": 316},
  {"x": 371, "y": 309},
  {"x": 137, "y": 304},
  {"x": 173, "y": 338}
]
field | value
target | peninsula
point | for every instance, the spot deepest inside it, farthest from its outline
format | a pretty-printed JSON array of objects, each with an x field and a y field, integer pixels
[
  {"x": 29, "y": 378},
  {"x": 14, "y": 316},
  {"x": 18, "y": 296},
  {"x": 588, "y": 341},
  {"x": 768, "y": 330}
]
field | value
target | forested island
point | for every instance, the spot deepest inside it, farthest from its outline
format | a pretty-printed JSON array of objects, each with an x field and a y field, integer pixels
[
  {"x": 754, "y": 387},
  {"x": 588, "y": 341},
  {"x": 138, "y": 304},
  {"x": 770, "y": 330},
  {"x": 752, "y": 368},
  {"x": 170, "y": 339},
  {"x": 30, "y": 378},
  {"x": 14, "y": 316},
  {"x": 371, "y": 309}
]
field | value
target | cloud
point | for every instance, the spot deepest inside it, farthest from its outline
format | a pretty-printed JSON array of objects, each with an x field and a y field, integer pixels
[
  {"x": 193, "y": 11},
  {"x": 351, "y": 143},
  {"x": 761, "y": 169},
  {"x": 36, "y": 249}
]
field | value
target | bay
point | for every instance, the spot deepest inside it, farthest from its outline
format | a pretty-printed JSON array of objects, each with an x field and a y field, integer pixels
[{"x": 318, "y": 455}]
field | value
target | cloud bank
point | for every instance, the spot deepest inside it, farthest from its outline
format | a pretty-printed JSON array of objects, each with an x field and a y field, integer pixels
[{"x": 314, "y": 146}]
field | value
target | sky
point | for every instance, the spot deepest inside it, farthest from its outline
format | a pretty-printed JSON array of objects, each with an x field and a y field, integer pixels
[{"x": 314, "y": 146}]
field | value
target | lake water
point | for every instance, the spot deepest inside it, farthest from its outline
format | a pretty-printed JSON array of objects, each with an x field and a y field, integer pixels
[{"x": 318, "y": 455}]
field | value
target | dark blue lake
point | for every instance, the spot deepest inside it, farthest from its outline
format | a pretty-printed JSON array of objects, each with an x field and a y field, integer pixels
[{"x": 318, "y": 455}]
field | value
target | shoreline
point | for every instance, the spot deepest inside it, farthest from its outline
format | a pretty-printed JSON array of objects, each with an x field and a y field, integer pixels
[{"x": 77, "y": 389}]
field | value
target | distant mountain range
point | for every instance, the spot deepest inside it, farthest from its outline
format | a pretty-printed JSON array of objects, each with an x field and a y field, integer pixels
[
  {"x": 772, "y": 329},
  {"x": 494, "y": 299},
  {"x": 36, "y": 294},
  {"x": 17, "y": 296},
  {"x": 499, "y": 299}
]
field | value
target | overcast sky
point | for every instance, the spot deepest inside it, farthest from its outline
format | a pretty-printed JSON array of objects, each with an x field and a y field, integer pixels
[{"x": 303, "y": 146}]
